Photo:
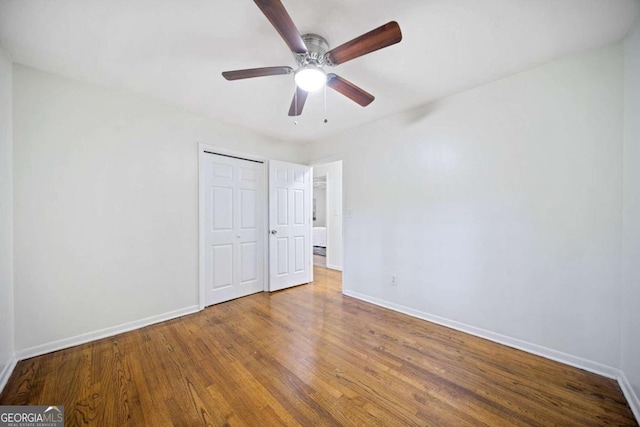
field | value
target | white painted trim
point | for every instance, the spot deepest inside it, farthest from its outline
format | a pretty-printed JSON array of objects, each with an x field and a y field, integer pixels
[
  {"x": 310, "y": 226},
  {"x": 558, "y": 356},
  {"x": 266, "y": 225},
  {"x": 202, "y": 147},
  {"x": 329, "y": 246},
  {"x": 334, "y": 267},
  {"x": 629, "y": 393},
  {"x": 7, "y": 371},
  {"x": 201, "y": 274},
  {"x": 102, "y": 333}
]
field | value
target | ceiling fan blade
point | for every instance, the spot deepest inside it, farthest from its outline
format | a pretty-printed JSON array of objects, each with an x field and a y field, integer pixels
[
  {"x": 349, "y": 90},
  {"x": 379, "y": 38},
  {"x": 256, "y": 72},
  {"x": 297, "y": 103},
  {"x": 280, "y": 19}
]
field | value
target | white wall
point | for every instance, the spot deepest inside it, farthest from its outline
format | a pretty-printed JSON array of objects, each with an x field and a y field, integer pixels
[
  {"x": 320, "y": 198},
  {"x": 498, "y": 208},
  {"x": 630, "y": 360},
  {"x": 106, "y": 206},
  {"x": 6, "y": 220},
  {"x": 333, "y": 171}
]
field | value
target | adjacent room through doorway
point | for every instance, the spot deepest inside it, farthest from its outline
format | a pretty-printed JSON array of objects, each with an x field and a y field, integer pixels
[
  {"x": 320, "y": 221},
  {"x": 327, "y": 215}
]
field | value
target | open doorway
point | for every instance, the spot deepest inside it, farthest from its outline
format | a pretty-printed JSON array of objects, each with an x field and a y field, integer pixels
[
  {"x": 319, "y": 220},
  {"x": 327, "y": 215}
]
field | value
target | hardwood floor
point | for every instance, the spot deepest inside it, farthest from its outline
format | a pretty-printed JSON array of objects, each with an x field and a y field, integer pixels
[
  {"x": 310, "y": 356},
  {"x": 319, "y": 260}
]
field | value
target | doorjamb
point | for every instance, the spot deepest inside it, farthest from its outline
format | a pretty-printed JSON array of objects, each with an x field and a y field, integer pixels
[
  {"x": 202, "y": 147},
  {"x": 324, "y": 161}
]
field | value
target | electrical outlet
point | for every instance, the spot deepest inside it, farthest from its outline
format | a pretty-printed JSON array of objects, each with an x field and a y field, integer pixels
[{"x": 394, "y": 280}]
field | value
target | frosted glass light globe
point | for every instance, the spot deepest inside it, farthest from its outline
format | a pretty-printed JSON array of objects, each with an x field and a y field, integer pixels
[{"x": 310, "y": 78}]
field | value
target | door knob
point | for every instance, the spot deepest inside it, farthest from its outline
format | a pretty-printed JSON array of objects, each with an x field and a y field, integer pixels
[{"x": 274, "y": 231}]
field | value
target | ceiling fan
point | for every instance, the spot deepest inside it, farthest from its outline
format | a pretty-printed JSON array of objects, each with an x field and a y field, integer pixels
[{"x": 312, "y": 55}]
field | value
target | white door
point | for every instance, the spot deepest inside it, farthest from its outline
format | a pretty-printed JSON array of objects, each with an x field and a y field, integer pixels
[
  {"x": 289, "y": 225},
  {"x": 234, "y": 231}
]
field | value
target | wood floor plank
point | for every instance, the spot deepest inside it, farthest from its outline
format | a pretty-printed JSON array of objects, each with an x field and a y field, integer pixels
[{"x": 310, "y": 356}]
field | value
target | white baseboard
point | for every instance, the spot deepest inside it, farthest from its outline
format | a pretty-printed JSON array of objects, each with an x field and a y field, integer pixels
[
  {"x": 7, "y": 371},
  {"x": 334, "y": 267},
  {"x": 630, "y": 394},
  {"x": 558, "y": 356},
  {"x": 102, "y": 333}
]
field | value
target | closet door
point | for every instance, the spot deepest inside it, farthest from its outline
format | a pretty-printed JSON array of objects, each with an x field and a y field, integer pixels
[{"x": 233, "y": 228}]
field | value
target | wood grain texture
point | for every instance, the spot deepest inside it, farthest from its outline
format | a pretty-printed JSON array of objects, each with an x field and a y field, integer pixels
[
  {"x": 348, "y": 89},
  {"x": 281, "y": 21},
  {"x": 310, "y": 356},
  {"x": 379, "y": 38},
  {"x": 256, "y": 72}
]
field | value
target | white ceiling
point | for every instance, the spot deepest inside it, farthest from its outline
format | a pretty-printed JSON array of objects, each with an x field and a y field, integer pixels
[{"x": 175, "y": 50}]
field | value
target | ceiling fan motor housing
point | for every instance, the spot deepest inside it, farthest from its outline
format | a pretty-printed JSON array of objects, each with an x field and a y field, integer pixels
[{"x": 317, "y": 47}]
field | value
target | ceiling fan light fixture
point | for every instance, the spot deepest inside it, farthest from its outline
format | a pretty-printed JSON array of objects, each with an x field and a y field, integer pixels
[{"x": 310, "y": 78}]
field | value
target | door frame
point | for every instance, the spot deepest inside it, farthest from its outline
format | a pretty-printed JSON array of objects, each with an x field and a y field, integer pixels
[
  {"x": 202, "y": 147},
  {"x": 343, "y": 214}
]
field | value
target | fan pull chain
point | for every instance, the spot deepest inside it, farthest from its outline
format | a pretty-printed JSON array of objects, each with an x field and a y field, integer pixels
[
  {"x": 295, "y": 102},
  {"x": 325, "y": 104},
  {"x": 295, "y": 105}
]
